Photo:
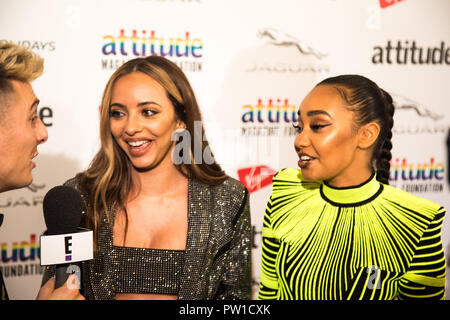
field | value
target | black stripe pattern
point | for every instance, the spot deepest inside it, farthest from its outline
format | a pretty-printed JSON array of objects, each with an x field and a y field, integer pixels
[{"x": 322, "y": 243}]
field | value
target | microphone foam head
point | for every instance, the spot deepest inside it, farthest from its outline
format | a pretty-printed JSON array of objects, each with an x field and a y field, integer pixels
[{"x": 62, "y": 210}]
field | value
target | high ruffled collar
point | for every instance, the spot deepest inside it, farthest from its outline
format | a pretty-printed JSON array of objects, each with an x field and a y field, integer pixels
[{"x": 354, "y": 195}]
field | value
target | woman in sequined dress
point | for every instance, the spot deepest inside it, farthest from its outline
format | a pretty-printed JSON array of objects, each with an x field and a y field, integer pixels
[
  {"x": 335, "y": 229},
  {"x": 166, "y": 225}
]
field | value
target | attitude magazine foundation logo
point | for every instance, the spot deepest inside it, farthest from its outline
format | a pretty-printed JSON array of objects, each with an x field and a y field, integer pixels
[
  {"x": 184, "y": 49},
  {"x": 269, "y": 117},
  {"x": 20, "y": 258},
  {"x": 417, "y": 177}
]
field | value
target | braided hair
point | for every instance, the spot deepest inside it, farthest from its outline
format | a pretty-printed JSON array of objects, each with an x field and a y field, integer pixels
[{"x": 369, "y": 103}]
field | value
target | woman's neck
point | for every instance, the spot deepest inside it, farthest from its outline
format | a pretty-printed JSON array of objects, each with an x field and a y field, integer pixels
[
  {"x": 351, "y": 180},
  {"x": 158, "y": 181}
]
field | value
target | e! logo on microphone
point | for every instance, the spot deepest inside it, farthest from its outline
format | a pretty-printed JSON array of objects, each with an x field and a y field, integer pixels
[{"x": 67, "y": 246}]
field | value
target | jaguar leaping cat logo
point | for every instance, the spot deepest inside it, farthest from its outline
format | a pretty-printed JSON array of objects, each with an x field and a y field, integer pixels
[
  {"x": 402, "y": 103},
  {"x": 282, "y": 39}
]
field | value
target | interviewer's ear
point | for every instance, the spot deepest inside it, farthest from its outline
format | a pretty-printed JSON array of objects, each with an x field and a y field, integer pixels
[{"x": 368, "y": 135}]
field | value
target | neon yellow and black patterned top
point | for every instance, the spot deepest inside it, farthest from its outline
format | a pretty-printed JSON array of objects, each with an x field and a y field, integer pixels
[{"x": 371, "y": 241}]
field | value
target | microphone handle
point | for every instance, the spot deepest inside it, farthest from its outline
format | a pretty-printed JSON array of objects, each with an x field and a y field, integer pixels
[{"x": 63, "y": 271}]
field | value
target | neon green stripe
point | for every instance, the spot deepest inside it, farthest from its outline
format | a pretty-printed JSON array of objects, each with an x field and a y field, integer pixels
[
  {"x": 421, "y": 279},
  {"x": 326, "y": 254},
  {"x": 418, "y": 296}
]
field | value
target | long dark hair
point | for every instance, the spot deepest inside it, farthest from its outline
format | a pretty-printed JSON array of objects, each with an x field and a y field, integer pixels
[
  {"x": 369, "y": 103},
  {"x": 107, "y": 182}
]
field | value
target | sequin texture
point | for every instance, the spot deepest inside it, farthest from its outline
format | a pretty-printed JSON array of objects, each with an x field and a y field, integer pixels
[
  {"x": 142, "y": 270},
  {"x": 218, "y": 248}
]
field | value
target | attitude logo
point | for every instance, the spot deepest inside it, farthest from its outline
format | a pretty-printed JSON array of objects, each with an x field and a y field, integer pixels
[
  {"x": 269, "y": 117},
  {"x": 185, "y": 50},
  {"x": 417, "y": 177},
  {"x": 407, "y": 52},
  {"x": 21, "y": 258},
  {"x": 298, "y": 56}
]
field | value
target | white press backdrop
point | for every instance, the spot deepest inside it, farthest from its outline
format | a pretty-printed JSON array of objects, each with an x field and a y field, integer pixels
[{"x": 250, "y": 63}]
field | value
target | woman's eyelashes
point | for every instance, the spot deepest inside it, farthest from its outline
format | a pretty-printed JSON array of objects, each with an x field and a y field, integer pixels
[
  {"x": 117, "y": 114},
  {"x": 297, "y": 128},
  {"x": 318, "y": 127},
  {"x": 314, "y": 127},
  {"x": 148, "y": 112}
]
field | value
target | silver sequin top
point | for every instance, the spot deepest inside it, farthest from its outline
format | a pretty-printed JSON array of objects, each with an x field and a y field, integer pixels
[
  {"x": 217, "y": 262},
  {"x": 142, "y": 270}
]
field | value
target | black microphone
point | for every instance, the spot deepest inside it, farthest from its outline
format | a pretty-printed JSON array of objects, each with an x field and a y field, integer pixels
[{"x": 62, "y": 214}]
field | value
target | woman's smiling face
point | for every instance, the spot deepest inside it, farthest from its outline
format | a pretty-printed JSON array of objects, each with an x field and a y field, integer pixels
[
  {"x": 142, "y": 120},
  {"x": 327, "y": 141}
]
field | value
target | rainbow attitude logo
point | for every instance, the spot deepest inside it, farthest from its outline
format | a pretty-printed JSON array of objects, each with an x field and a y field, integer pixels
[
  {"x": 269, "y": 119},
  {"x": 417, "y": 177},
  {"x": 21, "y": 259},
  {"x": 184, "y": 50}
]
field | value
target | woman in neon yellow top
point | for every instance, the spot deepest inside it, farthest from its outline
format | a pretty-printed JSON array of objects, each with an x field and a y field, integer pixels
[{"x": 335, "y": 229}]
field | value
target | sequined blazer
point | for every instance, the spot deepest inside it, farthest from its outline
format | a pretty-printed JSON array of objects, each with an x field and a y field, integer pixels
[{"x": 218, "y": 249}]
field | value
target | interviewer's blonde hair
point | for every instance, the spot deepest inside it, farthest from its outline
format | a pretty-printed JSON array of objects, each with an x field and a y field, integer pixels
[{"x": 17, "y": 63}]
